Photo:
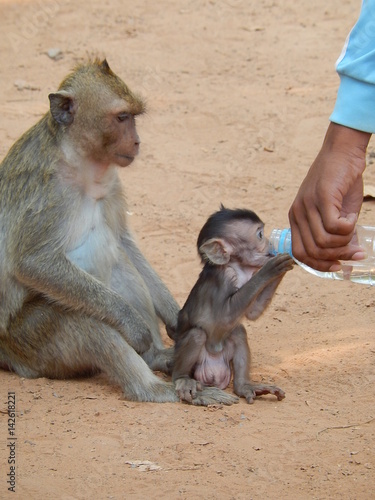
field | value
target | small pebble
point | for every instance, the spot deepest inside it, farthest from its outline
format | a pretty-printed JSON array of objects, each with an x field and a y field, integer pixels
[{"x": 55, "y": 54}]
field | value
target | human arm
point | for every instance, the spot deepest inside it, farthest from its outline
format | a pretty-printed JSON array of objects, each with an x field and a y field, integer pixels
[{"x": 325, "y": 210}]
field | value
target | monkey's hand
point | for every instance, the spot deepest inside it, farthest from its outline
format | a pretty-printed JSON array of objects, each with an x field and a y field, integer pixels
[
  {"x": 135, "y": 331},
  {"x": 269, "y": 276},
  {"x": 160, "y": 360},
  {"x": 251, "y": 391},
  {"x": 277, "y": 266},
  {"x": 186, "y": 388}
]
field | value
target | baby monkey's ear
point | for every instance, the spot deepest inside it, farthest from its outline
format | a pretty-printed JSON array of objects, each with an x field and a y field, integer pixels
[{"x": 216, "y": 251}]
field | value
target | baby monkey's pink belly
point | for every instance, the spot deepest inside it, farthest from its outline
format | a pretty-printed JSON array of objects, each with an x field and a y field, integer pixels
[{"x": 213, "y": 370}]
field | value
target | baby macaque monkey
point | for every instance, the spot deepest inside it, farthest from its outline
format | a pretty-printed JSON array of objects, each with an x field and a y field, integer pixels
[{"x": 238, "y": 279}]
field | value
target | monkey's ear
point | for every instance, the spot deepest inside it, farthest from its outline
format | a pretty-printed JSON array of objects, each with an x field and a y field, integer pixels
[
  {"x": 217, "y": 251},
  {"x": 62, "y": 107},
  {"x": 104, "y": 66}
]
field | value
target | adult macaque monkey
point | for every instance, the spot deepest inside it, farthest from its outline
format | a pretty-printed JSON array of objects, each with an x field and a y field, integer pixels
[
  {"x": 209, "y": 338},
  {"x": 76, "y": 294}
]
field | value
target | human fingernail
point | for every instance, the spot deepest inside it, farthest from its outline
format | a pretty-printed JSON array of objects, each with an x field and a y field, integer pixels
[
  {"x": 359, "y": 256},
  {"x": 334, "y": 268}
]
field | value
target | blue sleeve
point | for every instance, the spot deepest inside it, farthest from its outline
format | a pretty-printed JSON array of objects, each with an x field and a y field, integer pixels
[{"x": 355, "y": 103}]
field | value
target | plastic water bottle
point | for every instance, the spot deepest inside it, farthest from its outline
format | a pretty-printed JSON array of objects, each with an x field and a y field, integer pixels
[{"x": 358, "y": 271}]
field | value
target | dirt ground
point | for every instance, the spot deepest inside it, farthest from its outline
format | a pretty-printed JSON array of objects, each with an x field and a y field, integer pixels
[{"x": 239, "y": 93}]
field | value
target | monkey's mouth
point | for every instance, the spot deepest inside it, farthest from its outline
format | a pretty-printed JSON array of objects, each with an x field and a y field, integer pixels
[{"x": 127, "y": 158}]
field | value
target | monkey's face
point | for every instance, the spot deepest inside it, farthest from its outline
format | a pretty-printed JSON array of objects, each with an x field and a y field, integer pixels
[
  {"x": 109, "y": 138},
  {"x": 250, "y": 246},
  {"x": 98, "y": 115},
  {"x": 120, "y": 140},
  {"x": 113, "y": 124}
]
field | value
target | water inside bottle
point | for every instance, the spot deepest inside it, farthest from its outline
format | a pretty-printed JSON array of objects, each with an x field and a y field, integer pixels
[
  {"x": 358, "y": 271},
  {"x": 361, "y": 271},
  {"x": 364, "y": 274}
]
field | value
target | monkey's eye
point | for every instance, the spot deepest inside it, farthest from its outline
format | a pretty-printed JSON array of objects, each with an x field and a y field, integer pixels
[
  {"x": 260, "y": 234},
  {"x": 123, "y": 116}
]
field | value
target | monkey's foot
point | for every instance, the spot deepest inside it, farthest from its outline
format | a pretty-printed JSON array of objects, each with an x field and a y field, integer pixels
[
  {"x": 251, "y": 391},
  {"x": 157, "y": 392},
  {"x": 213, "y": 395},
  {"x": 187, "y": 388}
]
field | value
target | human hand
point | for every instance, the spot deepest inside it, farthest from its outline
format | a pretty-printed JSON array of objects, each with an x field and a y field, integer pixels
[{"x": 325, "y": 210}]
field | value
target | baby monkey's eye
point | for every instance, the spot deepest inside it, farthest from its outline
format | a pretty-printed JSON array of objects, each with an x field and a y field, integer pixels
[
  {"x": 123, "y": 116},
  {"x": 260, "y": 234}
]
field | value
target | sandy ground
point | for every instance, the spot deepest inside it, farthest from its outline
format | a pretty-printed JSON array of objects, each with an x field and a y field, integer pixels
[{"x": 239, "y": 93}]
